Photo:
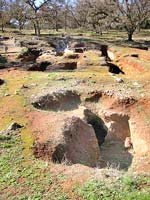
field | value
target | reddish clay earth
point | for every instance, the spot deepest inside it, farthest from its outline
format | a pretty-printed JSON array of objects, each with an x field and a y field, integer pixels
[{"x": 120, "y": 107}]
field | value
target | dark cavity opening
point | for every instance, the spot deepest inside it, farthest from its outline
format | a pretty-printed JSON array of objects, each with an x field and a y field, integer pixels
[
  {"x": 2, "y": 82},
  {"x": 58, "y": 101},
  {"x": 58, "y": 155},
  {"x": 104, "y": 49},
  {"x": 114, "y": 68},
  {"x": 37, "y": 66},
  {"x": 98, "y": 126}
]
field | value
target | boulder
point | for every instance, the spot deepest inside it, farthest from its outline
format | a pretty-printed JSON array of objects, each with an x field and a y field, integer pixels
[
  {"x": 60, "y": 48},
  {"x": 75, "y": 143}
]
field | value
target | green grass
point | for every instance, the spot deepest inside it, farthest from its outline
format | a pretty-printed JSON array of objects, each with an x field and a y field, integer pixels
[
  {"x": 22, "y": 178},
  {"x": 125, "y": 188}
]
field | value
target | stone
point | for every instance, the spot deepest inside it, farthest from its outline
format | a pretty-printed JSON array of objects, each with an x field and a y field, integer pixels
[
  {"x": 76, "y": 143},
  {"x": 60, "y": 48}
]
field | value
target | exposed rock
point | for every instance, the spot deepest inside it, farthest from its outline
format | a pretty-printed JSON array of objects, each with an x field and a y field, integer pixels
[
  {"x": 76, "y": 143},
  {"x": 59, "y": 100},
  {"x": 60, "y": 48}
]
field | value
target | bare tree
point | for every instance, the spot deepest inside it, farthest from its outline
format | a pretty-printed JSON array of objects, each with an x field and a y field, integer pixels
[
  {"x": 34, "y": 15},
  {"x": 95, "y": 14},
  {"x": 19, "y": 12},
  {"x": 132, "y": 14},
  {"x": 4, "y": 14}
]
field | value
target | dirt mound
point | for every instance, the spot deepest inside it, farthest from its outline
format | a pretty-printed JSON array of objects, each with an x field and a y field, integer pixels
[
  {"x": 76, "y": 143},
  {"x": 62, "y": 100}
]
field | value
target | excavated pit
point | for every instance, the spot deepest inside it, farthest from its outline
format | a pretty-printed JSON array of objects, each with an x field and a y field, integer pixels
[
  {"x": 58, "y": 101},
  {"x": 114, "y": 68},
  {"x": 98, "y": 125},
  {"x": 117, "y": 150},
  {"x": 87, "y": 138}
]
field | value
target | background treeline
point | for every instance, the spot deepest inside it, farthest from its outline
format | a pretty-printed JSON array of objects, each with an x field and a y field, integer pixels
[{"x": 94, "y": 15}]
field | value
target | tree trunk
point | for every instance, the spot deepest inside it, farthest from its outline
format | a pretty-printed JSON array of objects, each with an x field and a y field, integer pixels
[
  {"x": 20, "y": 26},
  {"x": 2, "y": 28},
  {"x": 56, "y": 22},
  {"x": 139, "y": 28},
  {"x": 65, "y": 21},
  {"x": 130, "y": 34},
  {"x": 35, "y": 29}
]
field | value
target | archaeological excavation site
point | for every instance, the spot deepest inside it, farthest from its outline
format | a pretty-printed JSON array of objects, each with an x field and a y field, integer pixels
[{"x": 73, "y": 108}]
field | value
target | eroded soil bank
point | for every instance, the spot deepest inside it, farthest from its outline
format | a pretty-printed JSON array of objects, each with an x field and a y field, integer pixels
[{"x": 81, "y": 120}]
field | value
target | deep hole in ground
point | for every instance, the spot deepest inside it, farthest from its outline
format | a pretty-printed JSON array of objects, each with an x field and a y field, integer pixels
[
  {"x": 98, "y": 126},
  {"x": 58, "y": 101},
  {"x": 114, "y": 68},
  {"x": 30, "y": 55},
  {"x": 2, "y": 81},
  {"x": 117, "y": 150},
  {"x": 86, "y": 135},
  {"x": 89, "y": 141},
  {"x": 36, "y": 66}
]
